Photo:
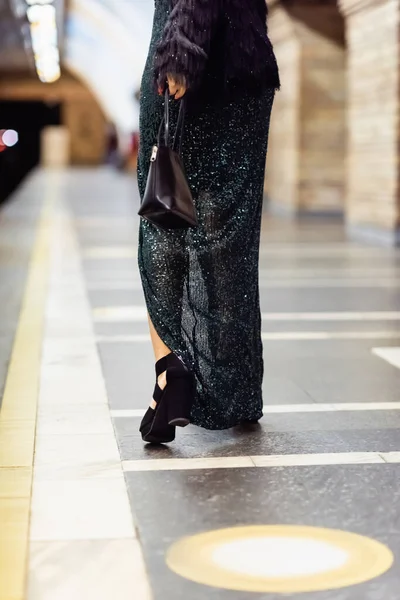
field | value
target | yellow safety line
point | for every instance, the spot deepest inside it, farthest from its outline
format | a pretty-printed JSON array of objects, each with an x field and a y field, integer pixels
[{"x": 18, "y": 420}]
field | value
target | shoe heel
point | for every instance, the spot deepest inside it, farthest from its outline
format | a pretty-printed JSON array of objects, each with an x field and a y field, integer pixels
[
  {"x": 159, "y": 431},
  {"x": 180, "y": 401}
]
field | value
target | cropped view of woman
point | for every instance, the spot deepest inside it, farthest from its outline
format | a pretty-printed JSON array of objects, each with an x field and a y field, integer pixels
[{"x": 201, "y": 284}]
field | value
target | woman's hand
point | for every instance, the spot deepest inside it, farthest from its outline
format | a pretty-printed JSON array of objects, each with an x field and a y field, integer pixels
[{"x": 177, "y": 86}]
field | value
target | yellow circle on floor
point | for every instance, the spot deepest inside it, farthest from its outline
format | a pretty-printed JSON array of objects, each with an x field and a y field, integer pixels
[{"x": 279, "y": 558}]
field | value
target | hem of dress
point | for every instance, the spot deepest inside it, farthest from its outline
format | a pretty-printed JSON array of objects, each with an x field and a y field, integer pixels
[
  {"x": 173, "y": 345},
  {"x": 228, "y": 424}
]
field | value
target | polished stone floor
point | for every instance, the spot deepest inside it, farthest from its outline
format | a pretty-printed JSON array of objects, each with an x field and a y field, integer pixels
[{"x": 104, "y": 509}]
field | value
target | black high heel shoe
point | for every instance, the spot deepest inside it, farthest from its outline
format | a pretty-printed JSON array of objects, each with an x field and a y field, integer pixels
[{"x": 174, "y": 402}]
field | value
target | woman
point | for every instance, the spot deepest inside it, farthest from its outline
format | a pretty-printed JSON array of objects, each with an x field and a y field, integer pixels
[{"x": 201, "y": 285}]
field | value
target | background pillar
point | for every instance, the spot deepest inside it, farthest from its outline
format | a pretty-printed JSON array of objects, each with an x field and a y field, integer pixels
[
  {"x": 373, "y": 203},
  {"x": 306, "y": 166},
  {"x": 87, "y": 129}
]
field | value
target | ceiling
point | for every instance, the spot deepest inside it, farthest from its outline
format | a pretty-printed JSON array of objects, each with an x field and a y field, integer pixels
[
  {"x": 15, "y": 40},
  {"x": 104, "y": 44},
  {"x": 15, "y": 51}
]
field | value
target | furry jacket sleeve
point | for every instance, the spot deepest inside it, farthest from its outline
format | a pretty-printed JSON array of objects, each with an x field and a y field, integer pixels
[{"x": 184, "y": 49}]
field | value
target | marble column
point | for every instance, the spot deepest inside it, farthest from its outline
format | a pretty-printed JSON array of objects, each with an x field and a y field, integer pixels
[
  {"x": 373, "y": 197},
  {"x": 306, "y": 166},
  {"x": 86, "y": 124}
]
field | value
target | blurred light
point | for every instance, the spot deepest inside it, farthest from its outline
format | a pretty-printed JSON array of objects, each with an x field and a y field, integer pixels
[
  {"x": 9, "y": 138},
  {"x": 43, "y": 39},
  {"x": 49, "y": 76},
  {"x": 42, "y": 2},
  {"x": 43, "y": 14},
  {"x": 42, "y": 17},
  {"x": 46, "y": 57}
]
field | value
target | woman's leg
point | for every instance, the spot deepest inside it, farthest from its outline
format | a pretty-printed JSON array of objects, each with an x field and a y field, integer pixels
[
  {"x": 163, "y": 264},
  {"x": 160, "y": 350}
]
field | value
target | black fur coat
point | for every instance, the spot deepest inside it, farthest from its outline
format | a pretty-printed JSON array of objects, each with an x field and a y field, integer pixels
[{"x": 219, "y": 41}]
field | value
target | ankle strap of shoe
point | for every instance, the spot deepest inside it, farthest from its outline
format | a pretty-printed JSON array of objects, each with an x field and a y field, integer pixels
[{"x": 162, "y": 365}]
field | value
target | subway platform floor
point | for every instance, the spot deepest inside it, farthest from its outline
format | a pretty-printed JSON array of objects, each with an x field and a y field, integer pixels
[{"x": 305, "y": 505}]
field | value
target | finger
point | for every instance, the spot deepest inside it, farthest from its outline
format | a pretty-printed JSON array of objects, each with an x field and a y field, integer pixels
[
  {"x": 172, "y": 83},
  {"x": 173, "y": 89},
  {"x": 181, "y": 92}
]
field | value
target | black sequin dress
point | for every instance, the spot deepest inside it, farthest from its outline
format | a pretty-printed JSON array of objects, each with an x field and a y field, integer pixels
[{"x": 201, "y": 286}]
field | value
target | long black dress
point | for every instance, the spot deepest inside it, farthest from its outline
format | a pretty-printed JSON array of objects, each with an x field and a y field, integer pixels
[{"x": 201, "y": 286}]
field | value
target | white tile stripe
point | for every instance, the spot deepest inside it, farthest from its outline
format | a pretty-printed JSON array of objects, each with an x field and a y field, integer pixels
[
  {"x": 137, "y": 313},
  {"x": 79, "y": 490},
  {"x": 123, "y": 339},
  {"x": 334, "y": 316},
  {"x": 115, "y": 314},
  {"x": 105, "y": 251},
  {"x": 290, "y": 336},
  {"x": 329, "y": 335},
  {"x": 329, "y": 283},
  {"x": 391, "y": 355},
  {"x": 134, "y": 284},
  {"x": 267, "y": 461},
  {"x": 124, "y": 273},
  {"x": 273, "y": 272},
  {"x": 290, "y": 408}
]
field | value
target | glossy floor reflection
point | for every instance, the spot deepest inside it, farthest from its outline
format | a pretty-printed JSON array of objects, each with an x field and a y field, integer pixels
[{"x": 106, "y": 511}]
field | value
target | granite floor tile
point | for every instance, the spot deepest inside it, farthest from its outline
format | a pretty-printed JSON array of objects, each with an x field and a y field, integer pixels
[
  {"x": 108, "y": 273},
  {"x": 292, "y": 299},
  {"x": 348, "y": 355},
  {"x": 346, "y": 372},
  {"x": 109, "y": 236},
  {"x": 296, "y": 300},
  {"x": 269, "y": 326},
  {"x": 259, "y": 440},
  {"x": 101, "y": 268},
  {"x": 368, "y": 258},
  {"x": 110, "y": 330},
  {"x": 128, "y": 382},
  {"x": 117, "y": 298},
  {"x": 362, "y": 499}
]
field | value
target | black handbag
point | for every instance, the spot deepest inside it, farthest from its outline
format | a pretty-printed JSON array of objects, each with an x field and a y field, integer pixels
[{"x": 168, "y": 201}]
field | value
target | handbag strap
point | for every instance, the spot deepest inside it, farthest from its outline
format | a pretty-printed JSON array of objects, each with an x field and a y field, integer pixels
[{"x": 165, "y": 126}]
